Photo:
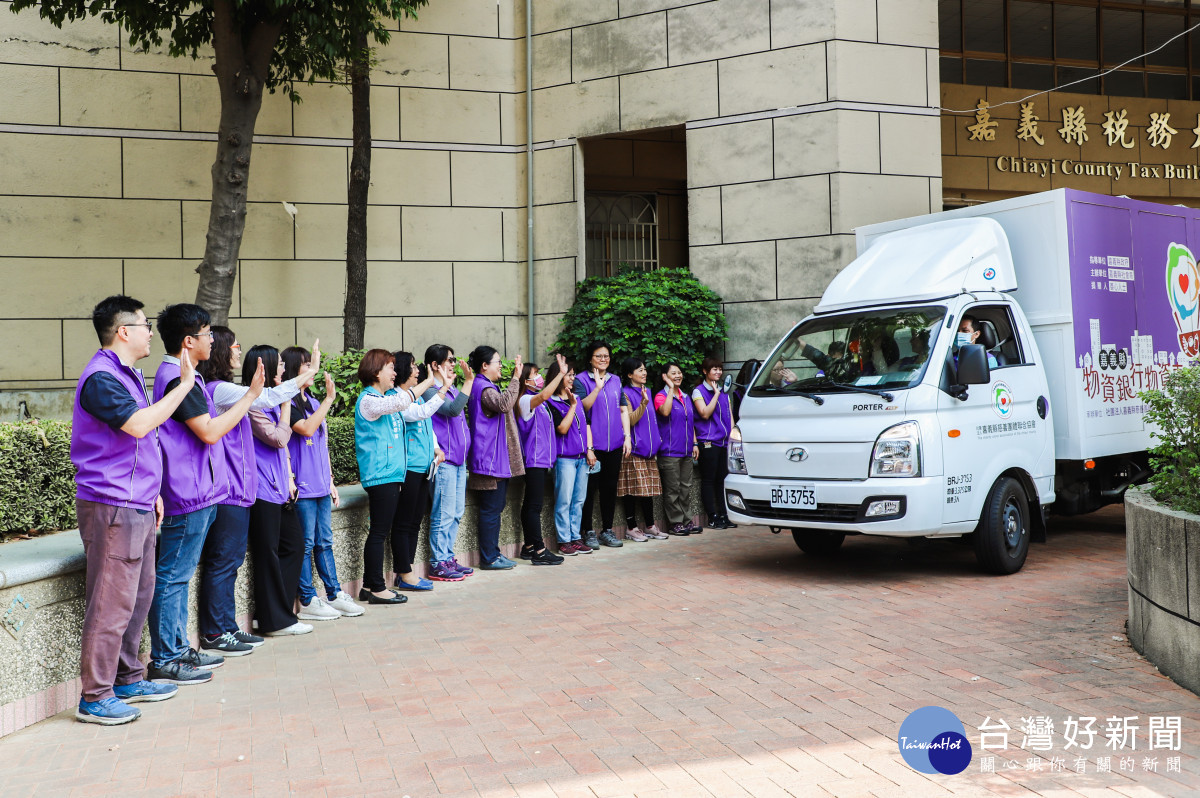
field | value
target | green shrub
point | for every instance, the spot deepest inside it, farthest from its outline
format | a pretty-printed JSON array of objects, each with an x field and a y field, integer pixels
[
  {"x": 341, "y": 451},
  {"x": 344, "y": 368},
  {"x": 1175, "y": 461},
  {"x": 37, "y": 479},
  {"x": 660, "y": 316}
]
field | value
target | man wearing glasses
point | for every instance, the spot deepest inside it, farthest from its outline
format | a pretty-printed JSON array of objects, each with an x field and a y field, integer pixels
[
  {"x": 115, "y": 449},
  {"x": 191, "y": 491}
]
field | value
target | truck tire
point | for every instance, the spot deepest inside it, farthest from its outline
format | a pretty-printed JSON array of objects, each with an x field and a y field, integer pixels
[
  {"x": 818, "y": 542},
  {"x": 1002, "y": 537}
]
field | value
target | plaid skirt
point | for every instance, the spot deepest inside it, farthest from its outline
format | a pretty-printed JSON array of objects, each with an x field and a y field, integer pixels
[{"x": 639, "y": 477}]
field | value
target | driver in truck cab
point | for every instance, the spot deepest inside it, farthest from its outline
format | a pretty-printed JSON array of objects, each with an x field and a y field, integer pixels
[
  {"x": 837, "y": 362},
  {"x": 968, "y": 333}
]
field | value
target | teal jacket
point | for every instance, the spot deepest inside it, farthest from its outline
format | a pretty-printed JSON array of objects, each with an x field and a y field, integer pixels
[
  {"x": 418, "y": 440},
  {"x": 379, "y": 445}
]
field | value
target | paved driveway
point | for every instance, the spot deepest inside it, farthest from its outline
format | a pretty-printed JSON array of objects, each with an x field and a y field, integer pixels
[{"x": 721, "y": 664}]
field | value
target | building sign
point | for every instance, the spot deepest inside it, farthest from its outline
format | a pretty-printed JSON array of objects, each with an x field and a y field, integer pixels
[{"x": 1139, "y": 147}]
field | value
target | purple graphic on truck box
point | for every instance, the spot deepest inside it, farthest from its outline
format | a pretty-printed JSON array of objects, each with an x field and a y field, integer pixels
[{"x": 1134, "y": 301}]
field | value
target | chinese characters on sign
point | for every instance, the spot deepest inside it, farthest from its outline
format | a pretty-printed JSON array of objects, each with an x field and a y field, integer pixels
[
  {"x": 1117, "y": 135},
  {"x": 1119, "y": 739}
]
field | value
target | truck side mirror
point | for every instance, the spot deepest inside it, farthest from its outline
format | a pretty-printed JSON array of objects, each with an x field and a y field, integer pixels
[{"x": 973, "y": 365}]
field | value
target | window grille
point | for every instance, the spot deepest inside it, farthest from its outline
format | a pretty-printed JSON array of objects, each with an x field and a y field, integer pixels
[{"x": 621, "y": 233}]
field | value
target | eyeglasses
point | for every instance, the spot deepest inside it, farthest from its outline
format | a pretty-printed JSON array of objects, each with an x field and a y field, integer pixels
[
  {"x": 208, "y": 335},
  {"x": 236, "y": 346},
  {"x": 147, "y": 324},
  {"x": 602, "y": 357}
]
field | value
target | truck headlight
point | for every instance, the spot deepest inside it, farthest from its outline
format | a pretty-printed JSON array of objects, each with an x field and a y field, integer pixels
[
  {"x": 897, "y": 452},
  {"x": 737, "y": 459}
]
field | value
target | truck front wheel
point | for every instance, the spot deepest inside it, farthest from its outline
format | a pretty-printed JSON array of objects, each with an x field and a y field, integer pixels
[
  {"x": 1002, "y": 537},
  {"x": 817, "y": 542}
]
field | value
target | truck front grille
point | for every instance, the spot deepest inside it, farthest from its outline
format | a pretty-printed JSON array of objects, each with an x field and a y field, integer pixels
[{"x": 830, "y": 513}]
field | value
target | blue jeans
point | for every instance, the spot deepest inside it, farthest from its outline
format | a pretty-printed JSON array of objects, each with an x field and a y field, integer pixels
[
  {"x": 570, "y": 489},
  {"x": 449, "y": 504},
  {"x": 316, "y": 517},
  {"x": 179, "y": 545},
  {"x": 224, "y": 552},
  {"x": 491, "y": 504}
]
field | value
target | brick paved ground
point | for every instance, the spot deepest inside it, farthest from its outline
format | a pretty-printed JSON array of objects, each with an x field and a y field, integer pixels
[{"x": 722, "y": 664}]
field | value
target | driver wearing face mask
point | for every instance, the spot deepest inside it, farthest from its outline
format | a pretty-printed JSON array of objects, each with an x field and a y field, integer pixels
[{"x": 968, "y": 333}]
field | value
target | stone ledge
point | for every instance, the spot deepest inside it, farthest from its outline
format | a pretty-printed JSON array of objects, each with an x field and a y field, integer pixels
[{"x": 1163, "y": 564}]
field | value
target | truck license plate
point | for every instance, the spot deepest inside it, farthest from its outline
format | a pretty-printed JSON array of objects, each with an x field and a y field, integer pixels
[{"x": 794, "y": 497}]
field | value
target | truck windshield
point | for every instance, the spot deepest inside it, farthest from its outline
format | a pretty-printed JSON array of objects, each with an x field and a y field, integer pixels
[{"x": 873, "y": 349}]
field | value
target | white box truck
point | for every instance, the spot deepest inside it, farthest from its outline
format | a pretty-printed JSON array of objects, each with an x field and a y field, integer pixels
[{"x": 970, "y": 369}]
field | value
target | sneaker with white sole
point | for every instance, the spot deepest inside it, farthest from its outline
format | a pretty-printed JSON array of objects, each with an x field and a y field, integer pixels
[
  {"x": 177, "y": 672},
  {"x": 227, "y": 644},
  {"x": 317, "y": 610},
  {"x": 254, "y": 641},
  {"x": 144, "y": 691},
  {"x": 297, "y": 628},
  {"x": 106, "y": 712},
  {"x": 345, "y": 605}
]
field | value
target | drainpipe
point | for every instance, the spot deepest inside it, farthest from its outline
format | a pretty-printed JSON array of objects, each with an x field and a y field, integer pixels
[{"x": 530, "y": 354}]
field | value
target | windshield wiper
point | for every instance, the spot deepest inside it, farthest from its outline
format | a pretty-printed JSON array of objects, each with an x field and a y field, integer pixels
[
  {"x": 788, "y": 388},
  {"x": 849, "y": 387}
]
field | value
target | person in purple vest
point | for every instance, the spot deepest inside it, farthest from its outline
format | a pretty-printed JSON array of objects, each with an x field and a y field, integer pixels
[
  {"x": 573, "y": 455},
  {"x": 192, "y": 489},
  {"x": 276, "y": 537},
  {"x": 677, "y": 449},
  {"x": 423, "y": 455},
  {"x": 599, "y": 392},
  {"x": 316, "y": 495},
  {"x": 225, "y": 546},
  {"x": 450, "y": 487},
  {"x": 537, "y": 444},
  {"x": 640, "y": 482},
  {"x": 115, "y": 450},
  {"x": 495, "y": 454},
  {"x": 714, "y": 420}
]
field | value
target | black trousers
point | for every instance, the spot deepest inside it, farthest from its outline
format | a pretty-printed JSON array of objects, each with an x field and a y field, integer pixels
[
  {"x": 604, "y": 483},
  {"x": 277, "y": 546},
  {"x": 531, "y": 507},
  {"x": 414, "y": 501},
  {"x": 714, "y": 467},
  {"x": 631, "y": 505},
  {"x": 383, "y": 501}
]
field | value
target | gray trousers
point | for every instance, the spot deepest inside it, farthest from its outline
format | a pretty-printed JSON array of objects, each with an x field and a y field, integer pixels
[
  {"x": 119, "y": 545},
  {"x": 676, "y": 473}
]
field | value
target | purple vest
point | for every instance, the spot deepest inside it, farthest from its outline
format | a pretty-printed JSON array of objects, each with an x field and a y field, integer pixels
[
  {"x": 537, "y": 438},
  {"x": 489, "y": 446},
  {"x": 715, "y": 429},
  {"x": 574, "y": 443},
  {"x": 113, "y": 466},
  {"x": 676, "y": 430},
  {"x": 605, "y": 415},
  {"x": 646, "y": 440},
  {"x": 239, "y": 479},
  {"x": 453, "y": 434},
  {"x": 310, "y": 456},
  {"x": 190, "y": 465},
  {"x": 271, "y": 465}
]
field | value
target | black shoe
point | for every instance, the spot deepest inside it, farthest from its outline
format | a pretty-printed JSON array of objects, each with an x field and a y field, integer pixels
[
  {"x": 226, "y": 644},
  {"x": 545, "y": 557},
  {"x": 679, "y": 530},
  {"x": 371, "y": 598},
  {"x": 201, "y": 661},
  {"x": 726, "y": 523},
  {"x": 177, "y": 672},
  {"x": 254, "y": 641},
  {"x": 526, "y": 552}
]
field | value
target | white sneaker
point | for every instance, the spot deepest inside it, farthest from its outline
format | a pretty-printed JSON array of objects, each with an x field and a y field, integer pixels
[
  {"x": 295, "y": 629},
  {"x": 318, "y": 610},
  {"x": 345, "y": 605}
]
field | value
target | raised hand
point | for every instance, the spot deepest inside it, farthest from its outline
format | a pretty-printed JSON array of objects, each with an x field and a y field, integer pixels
[
  {"x": 645, "y": 395},
  {"x": 517, "y": 364},
  {"x": 260, "y": 379},
  {"x": 315, "y": 362},
  {"x": 668, "y": 382},
  {"x": 562, "y": 363},
  {"x": 466, "y": 369},
  {"x": 330, "y": 387},
  {"x": 187, "y": 370}
]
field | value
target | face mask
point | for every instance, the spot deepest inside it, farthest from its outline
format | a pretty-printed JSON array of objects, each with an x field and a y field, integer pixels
[
  {"x": 539, "y": 382},
  {"x": 964, "y": 338}
]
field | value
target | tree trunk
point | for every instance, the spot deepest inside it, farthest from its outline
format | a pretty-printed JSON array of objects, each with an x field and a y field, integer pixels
[
  {"x": 354, "y": 313},
  {"x": 241, "y": 65}
]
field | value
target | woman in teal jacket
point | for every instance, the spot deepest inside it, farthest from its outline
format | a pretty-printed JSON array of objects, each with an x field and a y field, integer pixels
[{"x": 379, "y": 443}]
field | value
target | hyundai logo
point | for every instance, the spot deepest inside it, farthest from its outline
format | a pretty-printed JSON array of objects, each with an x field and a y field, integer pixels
[{"x": 797, "y": 454}]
